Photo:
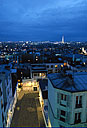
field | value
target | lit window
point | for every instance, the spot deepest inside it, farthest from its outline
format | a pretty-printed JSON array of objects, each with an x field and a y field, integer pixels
[
  {"x": 21, "y": 84},
  {"x": 65, "y": 64},
  {"x": 56, "y": 66},
  {"x": 40, "y": 74},
  {"x": 37, "y": 57},
  {"x": 61, "y": 65}
]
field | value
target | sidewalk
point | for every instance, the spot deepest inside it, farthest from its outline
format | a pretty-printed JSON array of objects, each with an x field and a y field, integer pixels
[{"x": 28, "y": 111}]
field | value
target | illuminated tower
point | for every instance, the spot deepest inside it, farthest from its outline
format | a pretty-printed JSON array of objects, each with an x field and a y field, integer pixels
[{"x": 62, "y": 39}]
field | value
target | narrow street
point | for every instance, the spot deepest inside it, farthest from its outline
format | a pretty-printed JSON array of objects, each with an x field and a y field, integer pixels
[{"x": 28, "y": 111}]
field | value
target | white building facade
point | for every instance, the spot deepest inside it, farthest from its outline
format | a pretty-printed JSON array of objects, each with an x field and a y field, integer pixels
[
  {"x": 5, "y": 97},
  {"x": 67, "y": 106},
  {"x": 1, "y": 105}
]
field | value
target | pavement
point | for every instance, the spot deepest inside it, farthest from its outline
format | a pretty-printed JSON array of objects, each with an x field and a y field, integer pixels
[{"x": 28, "y": 111}]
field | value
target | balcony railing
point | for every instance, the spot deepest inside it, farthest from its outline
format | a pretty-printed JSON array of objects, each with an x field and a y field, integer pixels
[
  {"x": 77, "y": 121},
  {"x": 63, "y": 103},
  {"x": 78, "y": 105}
]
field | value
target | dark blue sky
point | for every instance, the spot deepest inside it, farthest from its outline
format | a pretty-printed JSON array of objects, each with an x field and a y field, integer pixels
[{"x": 43, "y": 20}]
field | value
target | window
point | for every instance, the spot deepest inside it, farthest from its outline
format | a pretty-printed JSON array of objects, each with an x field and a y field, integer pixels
[
  {"x": 63, "y": 100},
  {"x": 35, "y": 88},
  {"x": 8, "y": 91},
  {"x": 7, "y": 81},
  {"x": 56, "y": 70},
  {"x": 56, "y": 66},
  {"x": 62, "y": 113},
  {"x": 62, "y": 119},
  {"x": 0, "y": 92},
  {"x": 51, "y": 66},
  {"x": 47, "y": 66},
  {"x": 35, "y": 74},
  {"x": 43, "y": 74},
  {"x": 77, "y": 117},
  {"x": 78, "y": 101},
  {"x": 58, "y": 98},
  {"x": 2, "y": 118},
  {"x": 63, "y": 97},
  {"x": 61, "y": 66}
]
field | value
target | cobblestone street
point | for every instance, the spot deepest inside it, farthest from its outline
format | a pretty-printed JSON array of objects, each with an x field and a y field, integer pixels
[{"x": 28, "y": 111}]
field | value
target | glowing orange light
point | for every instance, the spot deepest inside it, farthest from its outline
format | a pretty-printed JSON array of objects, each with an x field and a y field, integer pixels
[
  {"x": 65, "y": 64},
  {"x": 56, "y": 66}
]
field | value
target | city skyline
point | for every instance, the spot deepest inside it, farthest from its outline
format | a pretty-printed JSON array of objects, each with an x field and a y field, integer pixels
[{"x": 43, "y": 20}]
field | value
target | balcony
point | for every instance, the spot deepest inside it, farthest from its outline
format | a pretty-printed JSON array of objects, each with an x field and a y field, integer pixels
[
  {"x": 77, "y": 121},
  {"x": 63, "y": 103},
  {"x": 62, "y": 119},
  {"x": 78, "y": 105}
]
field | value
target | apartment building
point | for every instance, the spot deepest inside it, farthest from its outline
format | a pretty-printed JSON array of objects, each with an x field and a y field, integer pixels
[
  {"x": 30, "y": 85},
  {"x": 1, "y": 105},
  {"x": 67, "y": 100},
  {"x": 39, "y": 71},
  {"x": 5, "y": 97},
  {"x": 43, "y": 98},
  {"x": 54, "y": 67}
]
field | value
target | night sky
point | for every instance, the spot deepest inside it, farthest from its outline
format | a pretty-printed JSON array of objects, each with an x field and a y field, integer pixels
[{"x": 40, "y": 20}]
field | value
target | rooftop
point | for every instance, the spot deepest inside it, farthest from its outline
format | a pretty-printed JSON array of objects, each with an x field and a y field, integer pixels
[{"x": 73, "y": 83}]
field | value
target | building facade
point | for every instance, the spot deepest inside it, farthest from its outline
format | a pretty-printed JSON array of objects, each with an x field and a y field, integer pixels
[
  {"x": 6, "y": 97},
  {"x": 67, "y": 100}
]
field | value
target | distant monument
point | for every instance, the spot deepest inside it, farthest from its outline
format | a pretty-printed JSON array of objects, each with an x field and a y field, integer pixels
[{"x": 63, "y": 39}]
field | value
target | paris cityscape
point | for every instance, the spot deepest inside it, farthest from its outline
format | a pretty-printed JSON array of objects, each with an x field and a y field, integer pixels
[{"x": 43, "y": 63}]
